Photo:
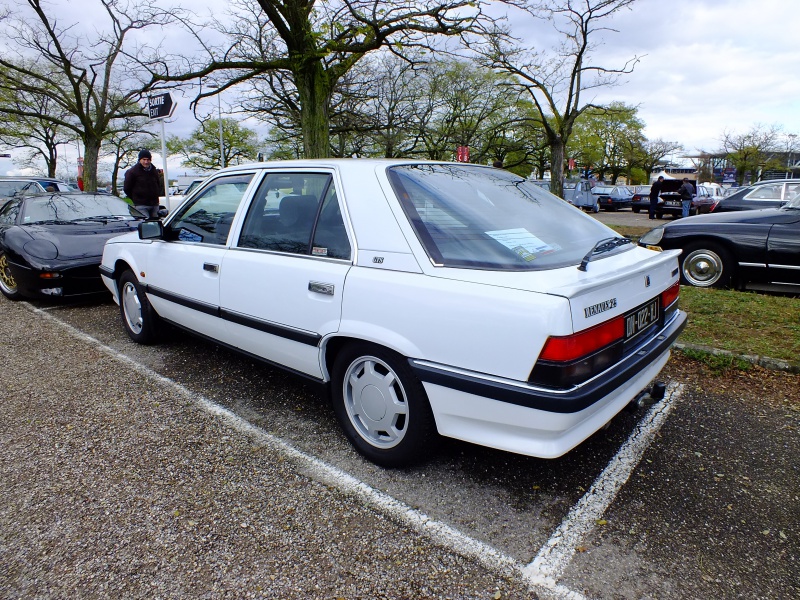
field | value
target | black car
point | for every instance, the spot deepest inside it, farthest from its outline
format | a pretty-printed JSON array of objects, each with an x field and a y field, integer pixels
[
  {"x": 734, "y": 248},
  {"x": 772, "y": 193},
  {"x": 641, "y": 198},
  {"x": 51, "y": 244},
  {"x": 612, "y": 197}
]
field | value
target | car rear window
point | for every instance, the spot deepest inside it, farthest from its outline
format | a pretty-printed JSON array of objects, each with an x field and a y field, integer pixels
[{"x": 475, "y": 217}]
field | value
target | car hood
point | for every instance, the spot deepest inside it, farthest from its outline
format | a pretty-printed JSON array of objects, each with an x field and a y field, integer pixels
[{"x": 75, "y": 241}]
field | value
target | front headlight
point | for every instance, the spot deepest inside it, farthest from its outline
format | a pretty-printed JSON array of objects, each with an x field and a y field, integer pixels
[
  {"x": 43, "y": 249},
  {"x": 652, "y": 237}
]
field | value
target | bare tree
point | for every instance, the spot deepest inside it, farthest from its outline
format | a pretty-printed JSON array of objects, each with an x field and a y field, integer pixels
[
  {"x": 555, "y": 82},
  {"x": 751, "y": 152},
  {"x": 38, "y": 136},
  {"x": 90, "y": 79},
  {"x": 312, "y": 45},
  {"x": 653, "y": 153}
]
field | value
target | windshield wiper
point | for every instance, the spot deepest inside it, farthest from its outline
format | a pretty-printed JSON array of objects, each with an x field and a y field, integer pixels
[
  {"x": 50, "y": 222},
  {"x": 604, "y": 245}
]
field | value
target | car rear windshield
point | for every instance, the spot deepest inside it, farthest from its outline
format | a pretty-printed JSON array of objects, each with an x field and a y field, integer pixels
[{"x": 477, "y": 217}]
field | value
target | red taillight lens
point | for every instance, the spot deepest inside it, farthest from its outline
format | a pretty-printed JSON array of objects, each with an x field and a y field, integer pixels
[
  {"x": 670, "y": 295},
  {"x": 572, "y": 347}
]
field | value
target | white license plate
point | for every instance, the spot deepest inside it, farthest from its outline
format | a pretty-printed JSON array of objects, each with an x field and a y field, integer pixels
[{"x": 641, "y": 318}]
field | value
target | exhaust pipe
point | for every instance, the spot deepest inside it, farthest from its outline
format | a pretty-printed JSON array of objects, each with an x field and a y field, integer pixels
[{"x": 650, "y": 396}]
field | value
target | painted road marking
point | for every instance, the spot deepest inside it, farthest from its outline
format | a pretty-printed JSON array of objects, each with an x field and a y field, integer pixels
[
  {"x": 554, "y": 557},
  {"x": 547, "y": 568}
]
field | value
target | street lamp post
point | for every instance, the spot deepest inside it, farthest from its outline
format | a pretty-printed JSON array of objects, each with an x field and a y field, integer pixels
[
  {"x": 789, "y": 151},
  {"x": 219, "y": 114}
]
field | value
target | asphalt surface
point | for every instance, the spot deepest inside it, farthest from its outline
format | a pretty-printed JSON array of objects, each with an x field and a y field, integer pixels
[{"x": 185, "y": 471}]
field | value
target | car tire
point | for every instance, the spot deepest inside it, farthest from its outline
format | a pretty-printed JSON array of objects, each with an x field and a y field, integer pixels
[
  {"x": 7, "y": 283},
  {"x": 139, "y": 319},
  {"x": 382, "y": 406},
  {"x": 707, "y": 265},
  {"x": 596, "y": 207},
  {"x": 635, "y": 210}
]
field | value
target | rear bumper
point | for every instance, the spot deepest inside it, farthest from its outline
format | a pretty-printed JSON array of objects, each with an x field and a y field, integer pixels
[{"x": 517, "y": 417}]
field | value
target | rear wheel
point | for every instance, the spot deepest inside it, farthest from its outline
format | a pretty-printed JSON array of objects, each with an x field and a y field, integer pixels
[
  {"x": 8, "y": 284},
  {"x": 382, "y": 406},
  {"x": 138, "y": 317},
  {"x": 635, "y": 210},
  {"x": 707, "y": 265}
]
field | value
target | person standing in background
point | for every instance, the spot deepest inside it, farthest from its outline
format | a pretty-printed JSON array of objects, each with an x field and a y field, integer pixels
[
  {"x": 687, "y": 193},
  {"x": 143, "y": 185},
  {"x": 655, "y": 192}
]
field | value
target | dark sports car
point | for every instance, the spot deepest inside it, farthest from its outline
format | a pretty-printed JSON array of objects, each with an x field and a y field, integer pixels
[
  {"x": 51, "y": 244},
  {"x": 735, "y": 248}
]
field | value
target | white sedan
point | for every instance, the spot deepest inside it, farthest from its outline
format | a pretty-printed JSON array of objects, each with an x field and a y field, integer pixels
[{"x": 433, "y": 298}]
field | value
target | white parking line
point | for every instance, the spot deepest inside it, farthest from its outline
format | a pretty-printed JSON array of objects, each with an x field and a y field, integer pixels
[
  {"x": 554, "y": 557},
  {"x": 549, "y": 565}
]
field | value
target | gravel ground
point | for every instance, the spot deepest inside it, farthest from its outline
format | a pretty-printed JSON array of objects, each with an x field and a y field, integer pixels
[{"x": 115, "y": 484}]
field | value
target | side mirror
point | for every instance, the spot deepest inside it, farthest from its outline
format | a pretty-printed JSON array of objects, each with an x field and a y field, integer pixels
[{"x": 151, "y": 230}]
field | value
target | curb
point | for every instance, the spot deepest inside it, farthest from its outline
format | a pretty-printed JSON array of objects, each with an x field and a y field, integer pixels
[{"x": 762, "y": 361}]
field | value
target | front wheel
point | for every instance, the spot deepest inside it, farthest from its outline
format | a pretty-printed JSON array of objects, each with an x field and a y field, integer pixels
[
  {"x": 138, "y": 317},
  {"x": 707, "y": 265},
  {"x": 8, "y": 284},
  {"x": 382, "y": 406}
]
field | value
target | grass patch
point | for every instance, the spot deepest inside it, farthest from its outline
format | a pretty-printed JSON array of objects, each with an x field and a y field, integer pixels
[
  {"x": 630, "y": 231},
  {"x": 742, "y": 322},
  {"x": 718, "y": 363}
]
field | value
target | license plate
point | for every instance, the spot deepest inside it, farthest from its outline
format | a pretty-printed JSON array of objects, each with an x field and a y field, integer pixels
[
  {"x": 672, "y": 203},
  {"x": 641, "y": 318}
]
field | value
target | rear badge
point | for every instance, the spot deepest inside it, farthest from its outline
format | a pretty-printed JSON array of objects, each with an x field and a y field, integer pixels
[{"x": 596, "y": 309}]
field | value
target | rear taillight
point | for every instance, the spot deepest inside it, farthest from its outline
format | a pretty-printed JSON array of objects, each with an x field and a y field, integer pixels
[
  {"x": 569, "y": 347},
  {"x": 567, "y": 361},
  {"x": 670, "y": 295}
]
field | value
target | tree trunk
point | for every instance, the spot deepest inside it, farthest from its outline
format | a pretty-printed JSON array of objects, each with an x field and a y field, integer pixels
[
  {"x": 91, "y": 152},
  {"x": 312, "y": 85},
  {"x": 557, "y": 166}
]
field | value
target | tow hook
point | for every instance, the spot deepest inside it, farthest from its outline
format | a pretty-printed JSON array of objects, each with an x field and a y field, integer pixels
[{"x": 649, "y": 396}]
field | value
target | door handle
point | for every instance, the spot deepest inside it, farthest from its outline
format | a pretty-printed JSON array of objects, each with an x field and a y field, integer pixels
[
  {"x": 210, "y": 267},
  {"x": 321, "y": 288}
]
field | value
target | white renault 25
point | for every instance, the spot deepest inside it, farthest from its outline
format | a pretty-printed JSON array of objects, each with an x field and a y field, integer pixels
[{"x": 432, "y": 298}]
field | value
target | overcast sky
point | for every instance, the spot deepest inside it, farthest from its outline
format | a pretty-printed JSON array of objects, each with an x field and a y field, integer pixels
[{"x": 707, "y": 66}]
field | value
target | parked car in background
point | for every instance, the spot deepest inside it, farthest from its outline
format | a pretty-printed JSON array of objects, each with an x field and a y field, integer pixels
[
  {"x": 51, "y": 244},
  {"x": 772, "y": 193},
  {"x": 612, "y": 197},
  {"x": 431, "y": 298},
  {"x": 735, "y": 248},
  {"x": 641, "y": 198},
  {"x": 57, "y": 185},
  {"x": 670, "y": 202},
  {"x": 580, "y": 195},
  {"x": 14, "y": 187}
]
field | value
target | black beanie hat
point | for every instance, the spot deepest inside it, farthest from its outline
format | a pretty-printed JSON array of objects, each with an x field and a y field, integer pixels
[{"x": 145, "y": 154}]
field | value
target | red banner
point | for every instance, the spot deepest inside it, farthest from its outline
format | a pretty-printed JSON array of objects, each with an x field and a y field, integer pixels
[{"x": 462, "y": 154}]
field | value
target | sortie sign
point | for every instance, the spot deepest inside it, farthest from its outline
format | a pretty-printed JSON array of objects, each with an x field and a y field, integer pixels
[{"x": 160, "y": 105}]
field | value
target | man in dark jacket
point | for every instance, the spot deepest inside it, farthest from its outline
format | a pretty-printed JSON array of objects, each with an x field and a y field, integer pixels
[
  {"x": 655, "y": 191},
  {"x": 143, "y": 185},
  {"x": 687, "y": 193}
]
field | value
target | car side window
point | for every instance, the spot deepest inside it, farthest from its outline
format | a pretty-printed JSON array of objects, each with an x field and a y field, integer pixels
[
  {"x": 283, "y": 214},
  {"x": 766, "y": 192},
  {"x": 207, "y": 219},
  {"x": 330, "y": 236}
]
